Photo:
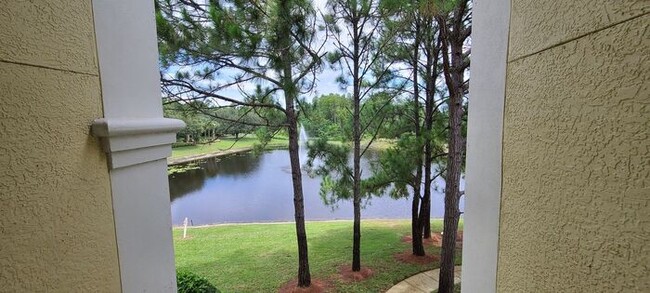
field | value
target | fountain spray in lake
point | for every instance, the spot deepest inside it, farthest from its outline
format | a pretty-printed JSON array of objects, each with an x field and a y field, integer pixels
[{"x": 302, "y": 140}]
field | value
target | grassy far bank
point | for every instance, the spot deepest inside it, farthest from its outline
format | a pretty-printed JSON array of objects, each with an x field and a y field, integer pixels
[
  {"x": 230, "y": 143},
  {"x": 262, "y": 257},
  {"x": 378, "y": 145},
  {"x": 226, "y": 143}
]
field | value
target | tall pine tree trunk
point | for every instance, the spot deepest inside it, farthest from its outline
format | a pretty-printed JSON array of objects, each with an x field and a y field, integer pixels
[
  {"x": 416, "y": 232},
  {"x": 431, "y": 47},
  {"x": 425, "y": 208},
  {"x": 426, "y": 230},
  {"x": 356, "y": 136},
  {"x": 304, "y": 278},
  {"x": 452, "y": 48},
  {"x": 416, "y": 215},
  {"x": 425, "y": 211},
  {"x": 290, "y": 95},
  {"x": 430, "y": 91},
  {"x": 356, "y": 243},
  {"x": 452, "y": 191}
]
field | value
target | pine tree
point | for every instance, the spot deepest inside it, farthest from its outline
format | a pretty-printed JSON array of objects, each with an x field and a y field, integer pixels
[
  {"x": 225, "y": 43},
  {"x": 357, "y": 28},
  {"x": 417, "y": 46},
  {"x": 455, "y": 29}
]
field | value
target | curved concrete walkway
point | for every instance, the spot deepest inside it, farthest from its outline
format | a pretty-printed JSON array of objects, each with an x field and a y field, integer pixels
[{"x": 423, "y": 282}]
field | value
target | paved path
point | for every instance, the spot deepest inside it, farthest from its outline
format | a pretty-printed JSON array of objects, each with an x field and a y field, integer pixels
[{"x": 422, "y": 283}]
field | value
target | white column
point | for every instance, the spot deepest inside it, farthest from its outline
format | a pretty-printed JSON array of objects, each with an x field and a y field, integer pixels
[
  {"x": 137, "y": 140},
  {"x": 490, "y": 30}
]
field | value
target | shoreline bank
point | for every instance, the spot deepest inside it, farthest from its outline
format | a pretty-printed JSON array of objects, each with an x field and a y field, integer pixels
[
  {"x": 187, "y": 159},
  {"x": 292, "y": 222},
  {"x": 379, "y": 145}
]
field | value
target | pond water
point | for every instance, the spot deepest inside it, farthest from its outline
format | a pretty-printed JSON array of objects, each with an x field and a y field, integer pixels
[{"x": 257, "y": 188}]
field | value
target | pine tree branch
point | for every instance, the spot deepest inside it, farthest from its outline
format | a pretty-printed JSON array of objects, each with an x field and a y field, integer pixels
[{"x": 187, "y": 85}]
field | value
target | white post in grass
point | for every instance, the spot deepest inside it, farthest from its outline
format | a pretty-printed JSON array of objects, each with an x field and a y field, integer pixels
[{"x": 185, "y": 228}]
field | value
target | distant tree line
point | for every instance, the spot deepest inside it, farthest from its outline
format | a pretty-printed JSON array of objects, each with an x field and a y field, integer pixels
[
  {"x": 206, "y": 123},
  {"x": 327, "y": 116}
]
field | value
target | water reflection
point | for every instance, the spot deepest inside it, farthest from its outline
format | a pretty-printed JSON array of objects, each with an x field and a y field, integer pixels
[
  {"x": 250, "y": 188},
  {"x": 240, "y": 165}
]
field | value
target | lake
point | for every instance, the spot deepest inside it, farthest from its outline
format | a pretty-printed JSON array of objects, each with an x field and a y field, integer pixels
[{"x": 245, "y": 187}]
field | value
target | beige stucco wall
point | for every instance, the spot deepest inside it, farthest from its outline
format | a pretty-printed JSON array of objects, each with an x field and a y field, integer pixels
[
  {"x": 575, "y": 204},
  {"x": 56, "y": 217}
]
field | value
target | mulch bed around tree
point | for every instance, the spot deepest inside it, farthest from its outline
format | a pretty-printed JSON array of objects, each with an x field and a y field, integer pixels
[
  {"x": 317, "y": 286},
  {"x": 408, "y": 257},
  {"x": 435, "y": 240},
  {"x": 347, "y": 275},
  {"x": 426, "y": 241}
]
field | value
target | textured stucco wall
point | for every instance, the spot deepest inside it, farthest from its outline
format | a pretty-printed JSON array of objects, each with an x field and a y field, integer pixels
[
  {"x": 56, "y": 217},
  {"x": 538, "y": 25},
  {"x": 575, "y": 204}
]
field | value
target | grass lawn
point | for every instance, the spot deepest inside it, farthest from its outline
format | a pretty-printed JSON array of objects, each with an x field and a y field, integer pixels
[
  {"x": 226, "y": 144},
  {"x": 262, "y": 257},
  {"x": 377, "y": 145}
]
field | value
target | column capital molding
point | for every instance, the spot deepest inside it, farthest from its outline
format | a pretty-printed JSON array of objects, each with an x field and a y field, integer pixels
[{"x": 131, "y": 141}]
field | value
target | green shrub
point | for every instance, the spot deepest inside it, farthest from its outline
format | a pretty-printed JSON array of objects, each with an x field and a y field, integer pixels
[
  {"x": 182, "y": 144},
  {"x": 189, "y": 282}
]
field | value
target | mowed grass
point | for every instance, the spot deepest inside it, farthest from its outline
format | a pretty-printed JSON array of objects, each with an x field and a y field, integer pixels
[
  {"x": 377, "y": 145},
  {"x": 225, "y": 144},
  {"x": 262, "y": 257},
  {"x": 230, "y": 143}
]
